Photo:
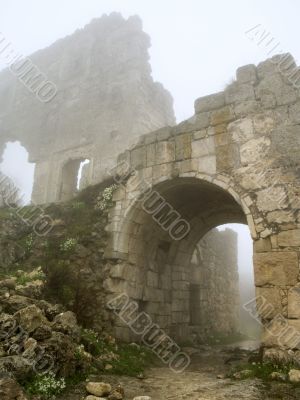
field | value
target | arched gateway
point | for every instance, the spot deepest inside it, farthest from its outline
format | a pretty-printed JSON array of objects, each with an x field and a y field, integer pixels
[{"x": 235, "y": 160}]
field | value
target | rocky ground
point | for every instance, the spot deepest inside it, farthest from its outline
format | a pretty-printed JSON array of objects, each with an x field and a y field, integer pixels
[{"x": 204, "y": 380}]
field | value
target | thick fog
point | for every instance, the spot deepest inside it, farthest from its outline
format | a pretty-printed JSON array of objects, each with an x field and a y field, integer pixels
[{"x": 196, "y": 48}]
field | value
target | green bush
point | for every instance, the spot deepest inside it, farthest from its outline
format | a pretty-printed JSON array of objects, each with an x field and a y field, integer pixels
[
  {"x": 125, "y": 359},
  {"x": 46, "y": 386}
]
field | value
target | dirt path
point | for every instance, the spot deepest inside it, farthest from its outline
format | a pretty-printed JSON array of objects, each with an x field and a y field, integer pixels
[{"x": 199, "y": 382}]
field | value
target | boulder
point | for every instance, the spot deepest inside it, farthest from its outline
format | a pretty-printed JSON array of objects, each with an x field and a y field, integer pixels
[
  {"x": 294, "y": 375},
  {"x": 15, "y": 366},
  {"x": 42, "y": 333},
  {"x": 62, "y": 350},
  {"x": 142, "y": 398},
  {"x": 277, "y": 376},
  {"x": 9, "y": 283},
  {"x": 91, "y": 397},
  {"x": 11, "y": 390},
  {"x": 50, "y": 310},
  {"x": 15, "y": 303},
  {"x": 117, "y": 393},
  {"x": 67, "y": 323},
  {"x": 98, "y": 388},
  {"x": 30, "y": 318},
  {"x": 30, "y": 289}
]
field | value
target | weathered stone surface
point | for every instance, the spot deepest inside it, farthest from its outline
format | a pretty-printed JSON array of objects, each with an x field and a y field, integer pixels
[
  {"x": 295, "y": 113},
  {"x": 221, "y": 116},
  {"x": 255, "y": 150},
  {"x": 238, "y": 92},
  {"x": 142, "y": 398},
  {"x": 241, "y": 130},
  {"x": 272, "y": 198},
  {"x": 210, "y": 102},
  {"x": 294, "y": 375},
  {"x": 289, "y": 238},
  {"x": 276, "y": 268},
  {"x": 294, "y": 302},
  {"x": 282, "y": 333},
  {"x": 11, "y": 390},
  {"x": 268, "y": 302},
  {"x": 114, "y": 101},
  {"x": 66, "y": 323},
  {"x": 228, "y": 157},
  {"x": 203, "y": 147},
  {"x": 98, "y": 388},
  {"x": 246, "y": 74},
  {"x": 183, "y": 147},
  {"x": 31, "y": 318}
]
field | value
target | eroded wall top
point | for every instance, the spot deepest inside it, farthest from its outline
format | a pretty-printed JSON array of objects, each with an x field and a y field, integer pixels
[{"x": 105, "y": 92}]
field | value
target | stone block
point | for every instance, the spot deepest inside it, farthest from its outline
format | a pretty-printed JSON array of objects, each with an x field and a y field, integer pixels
[
  {"x": 294, "y": 302},
  {"x": 208, "y": 164},
  {"x": 274, "y": 84},
  {"x": 200, "y": 120},
  {"x": 246, "y": 107},
  {"x": 211, "y": 102},
  {"x": 151, "y": 154},
  {"x": 268, "y": 302},
  {"x": 183, "y": 147},
  {"x": 289, "y": 238},
  {"x": 262, "y": 245},
  {"x": 227, "y": 157},
  {"x": 241, "y": 130},
  {"x": 203, "y": 147},
  {"x": 276, "y": 268},
  {"x": 165, "y": 152},
  {"x": 222, "y": 139},
  {"x": 246, "y": 74},
  {"x": 138, "y": 157},
  {"x": 222, "y": 116},
  {"x": 238, "y": 92},
  {"x": 282, "y": 332}
]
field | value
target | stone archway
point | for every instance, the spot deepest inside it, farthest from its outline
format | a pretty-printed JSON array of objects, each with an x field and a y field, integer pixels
[
  {"x": 241, "y": 154},
  {"x": 155, "y": 268}
]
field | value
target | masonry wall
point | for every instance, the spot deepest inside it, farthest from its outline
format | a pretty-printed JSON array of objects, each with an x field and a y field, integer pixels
[
  {"x": 105, "y": 99},
  {"x": 214, "y": 270}
]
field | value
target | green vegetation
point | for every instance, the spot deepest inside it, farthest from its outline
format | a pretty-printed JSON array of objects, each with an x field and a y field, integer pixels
[
  {"x": 46, "y": 386},
  {"x": 261, "y": 370},
  {"x": 123, "y": 358},
  {"x": 24, "y": 278}
]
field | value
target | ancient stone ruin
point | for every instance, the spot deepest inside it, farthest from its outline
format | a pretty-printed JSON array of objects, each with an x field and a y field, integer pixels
[
  {"x": 235, "y": 161},
  {"x": 105, "y": 99}
]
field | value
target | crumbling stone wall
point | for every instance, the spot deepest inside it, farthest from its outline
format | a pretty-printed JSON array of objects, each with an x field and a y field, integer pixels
[{"x": 105, "y": 99}]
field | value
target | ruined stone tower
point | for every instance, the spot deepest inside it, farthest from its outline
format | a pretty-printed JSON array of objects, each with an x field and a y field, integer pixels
[{"x": 105, "y": 99}]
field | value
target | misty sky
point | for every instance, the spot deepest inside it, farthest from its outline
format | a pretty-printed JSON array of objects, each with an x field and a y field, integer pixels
[{"x": 196, "y": 45}]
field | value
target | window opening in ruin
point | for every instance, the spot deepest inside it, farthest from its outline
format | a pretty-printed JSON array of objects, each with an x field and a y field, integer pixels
[
  {"x": 75, "y": 177},
  {"x": 16, "y": 166},
  {"x": 81, "y": 177}
]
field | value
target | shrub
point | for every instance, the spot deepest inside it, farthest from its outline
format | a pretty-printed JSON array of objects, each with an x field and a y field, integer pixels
[{"x": 46, "y": 385}]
